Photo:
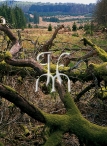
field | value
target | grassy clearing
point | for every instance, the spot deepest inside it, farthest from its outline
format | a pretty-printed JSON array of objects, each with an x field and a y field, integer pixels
[{"x": 64, "y": 39}]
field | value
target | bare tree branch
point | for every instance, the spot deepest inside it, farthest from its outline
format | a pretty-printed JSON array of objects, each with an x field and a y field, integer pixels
[
  {"x": 26, "y": 63},
  {"x": 48, "y": 44},
  {"x": 9, "y": 33},
  {"x": 25, "y": 106},
  {"x": 84, "y": 91}
]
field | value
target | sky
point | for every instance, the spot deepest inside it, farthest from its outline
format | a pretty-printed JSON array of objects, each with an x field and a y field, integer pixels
[{"x": 64, "y": 1}]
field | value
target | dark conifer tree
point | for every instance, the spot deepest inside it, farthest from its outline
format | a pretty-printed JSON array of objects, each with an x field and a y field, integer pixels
[
  {"x": 36, "y": 18},
  {"x": 14, "y": 16}
]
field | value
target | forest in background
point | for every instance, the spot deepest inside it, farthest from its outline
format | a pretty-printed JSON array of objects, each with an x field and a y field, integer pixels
[
  {"x": 95, "y": 10},
  {"x": 30, "y": 12},
  {"x": 62, "y": 9},
  {"x": 52, "y": 9},
  {"x": 14, "y": 16}
]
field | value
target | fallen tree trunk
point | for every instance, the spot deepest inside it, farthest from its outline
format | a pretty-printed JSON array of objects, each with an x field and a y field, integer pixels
[{"x": 72, "y": 121}]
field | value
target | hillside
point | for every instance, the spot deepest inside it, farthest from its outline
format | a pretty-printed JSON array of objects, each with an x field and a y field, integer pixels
[
  {"x": 46, "y": 9},
  {"x": 59, "y": 8}
]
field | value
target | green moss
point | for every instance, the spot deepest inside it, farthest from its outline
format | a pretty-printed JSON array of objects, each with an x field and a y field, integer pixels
[
  {"x": 1, "y": 144},
  {"x": 89, "y": 131},
  {"x": 2, "y": 135},
  {"x": 20, "y": 79},
  {"x": 6, "y": 68},
  {"x": 77, "y": 74},
  {"x": 26, "y": 130},
  {"x": 102, "y": 54},
  {"x": 1, "y": 56},
  {"x": 99, "y": 69},
  {"x": 55, "y": 139},
  {"x": 53, "y": 68},
  {"x": 12, "y": 105},
  {"x": 8, "y": 54},
  {"x": 75, "y": 123},
  {"x": 46, "y": 133},
  {"x": 102, "y": 94},
  {"x": 70, "y": 105},
  {"x": 9, "y": 88},
  {"x": 4, "y": 55},
  {"x": 2, "y": 63},
  {"x": 88, "y": 42},
  {"x": 22, "y": 55}
]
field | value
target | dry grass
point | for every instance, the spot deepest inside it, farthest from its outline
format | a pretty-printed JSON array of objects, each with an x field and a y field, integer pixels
[
  {"x": 55, "y": 24},
  {"x": 44, "y": 35}
]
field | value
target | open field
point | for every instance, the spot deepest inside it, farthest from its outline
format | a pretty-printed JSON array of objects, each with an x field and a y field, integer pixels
[{"x": 72, "y": 19}]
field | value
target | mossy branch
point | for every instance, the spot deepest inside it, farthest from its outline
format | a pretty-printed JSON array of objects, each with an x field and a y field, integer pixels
[
  {"x": 26, "y": 63},
  {"x": 54, "y": 139},
  {"x": 102, "y": 54},
  {"x": 21, "y": 71},
  {"x": 72, "y": 121},
  {"x": 4, "y": 55},
  {"x": 15, "y": 44},
  {"x": 66, "y": 99},
  {"x": 1, "y": 144},
  {"x": 99, "y": 70},
  {"x": 11, "y": 95}
]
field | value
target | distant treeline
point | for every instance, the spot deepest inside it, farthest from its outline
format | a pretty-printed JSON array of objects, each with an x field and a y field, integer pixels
[
  {"x": 54, "y": 19},
  {"x": 67, "y": 8},
  {"x": 17, "y": 13},
  {"x": 50, "y": 9}
]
